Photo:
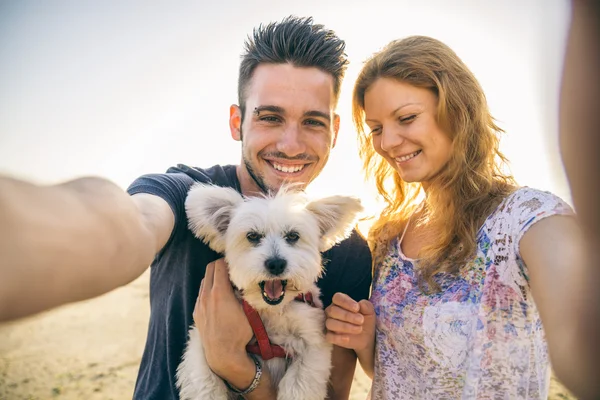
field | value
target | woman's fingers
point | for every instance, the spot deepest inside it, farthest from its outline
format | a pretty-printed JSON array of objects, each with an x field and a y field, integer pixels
[
  {"x": 337, "y": 339},
  {"x": 346, "y": 302},
  {"x": 337, "y": 326},
  {"x": 366, "y": 308},
  {"x": 335, "y": 312}
]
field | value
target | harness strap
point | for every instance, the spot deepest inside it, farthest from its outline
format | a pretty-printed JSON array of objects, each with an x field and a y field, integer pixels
[{"x": 263, "y": 346}]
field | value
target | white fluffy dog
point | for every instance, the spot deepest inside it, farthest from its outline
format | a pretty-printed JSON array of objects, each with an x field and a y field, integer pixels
[{"x": 273, "y": 247}]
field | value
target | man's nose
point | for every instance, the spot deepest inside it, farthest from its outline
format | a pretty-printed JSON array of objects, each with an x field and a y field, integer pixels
[{"x": 291, "y": 142}]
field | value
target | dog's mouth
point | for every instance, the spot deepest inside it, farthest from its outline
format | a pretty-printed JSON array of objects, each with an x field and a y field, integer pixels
[{"x": 273, "y": 291}]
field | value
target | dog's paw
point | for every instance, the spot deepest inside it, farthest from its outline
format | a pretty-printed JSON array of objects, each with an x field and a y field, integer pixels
[
  {"x": 195, "y": 380},
  {"x": 211, "y": 388},
  {"x": 295, "y": 387}
]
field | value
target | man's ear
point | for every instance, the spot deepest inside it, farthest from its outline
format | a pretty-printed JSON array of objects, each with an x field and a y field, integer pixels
[
  {"x": 209, "y": 210},
  {"x": 336, "y": 129},
  {"x": 235, "y": 122}
]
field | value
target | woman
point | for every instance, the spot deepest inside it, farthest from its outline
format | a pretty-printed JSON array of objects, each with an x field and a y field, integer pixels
[{"x": 456, "y": 273}]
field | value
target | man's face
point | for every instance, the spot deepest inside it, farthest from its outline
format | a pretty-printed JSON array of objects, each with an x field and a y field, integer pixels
[{"x": 289, "y": 127}]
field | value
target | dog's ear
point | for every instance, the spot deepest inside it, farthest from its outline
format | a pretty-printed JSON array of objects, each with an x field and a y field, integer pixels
[
  {"x": 209, "y": 209},
  {"x": 337, "y": 216}
]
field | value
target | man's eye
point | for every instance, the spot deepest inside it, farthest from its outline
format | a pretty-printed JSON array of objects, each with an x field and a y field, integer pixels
[
  {"x": 270, "y": 118},
  {"x": 314, "y": 122},
  {"x": 292, "y": 237},
  {"x": 253, "y": 237}
]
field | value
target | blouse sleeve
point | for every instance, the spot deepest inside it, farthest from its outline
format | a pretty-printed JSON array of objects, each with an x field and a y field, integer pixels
[{"x": 529, "y": 206}]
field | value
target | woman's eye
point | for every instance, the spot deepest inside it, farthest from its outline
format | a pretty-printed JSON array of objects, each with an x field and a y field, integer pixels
[
  {"x": 375, "y": 131},
  {"x": 410, "y": 118}
]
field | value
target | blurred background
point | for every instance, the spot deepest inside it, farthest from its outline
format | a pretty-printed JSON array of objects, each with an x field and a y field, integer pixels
[{"x": 122, "y": 88}]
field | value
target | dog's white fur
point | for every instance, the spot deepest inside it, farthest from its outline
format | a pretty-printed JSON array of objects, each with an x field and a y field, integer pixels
[{"x": 221, "y": 217}]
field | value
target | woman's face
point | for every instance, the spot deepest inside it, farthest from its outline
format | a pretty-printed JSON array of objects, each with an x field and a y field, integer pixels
[{"x": 404, "y": 129}]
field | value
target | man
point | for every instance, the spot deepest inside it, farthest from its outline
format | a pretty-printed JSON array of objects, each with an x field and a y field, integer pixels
[{"x": 89, "y": 237}]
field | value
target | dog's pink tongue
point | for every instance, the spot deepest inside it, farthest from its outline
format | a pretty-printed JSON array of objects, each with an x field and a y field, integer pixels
[{"x": 274, "y": 288}]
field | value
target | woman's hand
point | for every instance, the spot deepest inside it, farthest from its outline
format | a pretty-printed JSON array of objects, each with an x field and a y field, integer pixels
[{"x": 352, "y": 325}]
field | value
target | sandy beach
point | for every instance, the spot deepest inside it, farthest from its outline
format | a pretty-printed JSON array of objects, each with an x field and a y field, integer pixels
[{"x": 91, "y": 350}]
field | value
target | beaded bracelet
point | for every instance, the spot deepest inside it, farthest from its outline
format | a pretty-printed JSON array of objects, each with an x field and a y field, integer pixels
[{"x": 254, "y": 383}]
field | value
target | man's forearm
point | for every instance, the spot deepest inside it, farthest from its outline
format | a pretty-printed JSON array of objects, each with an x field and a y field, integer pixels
[
  {"x": 242, "y": 375},
  {"x": 65, "y": 243}
]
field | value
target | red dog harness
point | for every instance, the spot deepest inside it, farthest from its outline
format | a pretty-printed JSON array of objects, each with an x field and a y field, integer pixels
[{"x": 263, "y": 346}]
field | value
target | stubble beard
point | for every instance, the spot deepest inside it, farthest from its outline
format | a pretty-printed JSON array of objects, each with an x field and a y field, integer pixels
[
  {"x": 254, "y": 174},
  {"x": 257, "y": 177}
]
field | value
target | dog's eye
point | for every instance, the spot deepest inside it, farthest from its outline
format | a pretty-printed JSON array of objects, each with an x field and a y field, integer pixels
[
  {"x": 292, "y": 237},
  {"x": 253, "y": 237}
]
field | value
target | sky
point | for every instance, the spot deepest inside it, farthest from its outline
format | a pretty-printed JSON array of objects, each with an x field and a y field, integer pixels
[{"x": 122, "y": 88}]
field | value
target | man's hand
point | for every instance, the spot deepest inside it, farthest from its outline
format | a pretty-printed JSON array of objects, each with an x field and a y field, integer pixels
[
  {"x": 224, "y": 329},
  {"x": 225, "y": 332}
]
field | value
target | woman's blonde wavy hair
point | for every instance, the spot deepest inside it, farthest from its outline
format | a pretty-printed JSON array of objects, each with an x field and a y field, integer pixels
[{"x": 470, "y": 186}]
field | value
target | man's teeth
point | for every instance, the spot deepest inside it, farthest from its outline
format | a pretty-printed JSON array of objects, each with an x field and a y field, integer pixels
[
  {"x": 290, "y": 169},
  {"x": 409, "y": 156}
]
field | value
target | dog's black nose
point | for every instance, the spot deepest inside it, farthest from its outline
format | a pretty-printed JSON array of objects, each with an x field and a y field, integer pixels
[{"x": 276, "y": 265}]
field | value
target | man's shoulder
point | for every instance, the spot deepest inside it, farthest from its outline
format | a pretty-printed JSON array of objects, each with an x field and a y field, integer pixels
[
  {"x": 348, "y": 267},
  {"x": 178, "y": 179},
  {"x": 354, "y": 239},
  {"x": 353, "y": 247},
  {"x": 174, "y": 184},
  {"x": 221, "y": 175}
]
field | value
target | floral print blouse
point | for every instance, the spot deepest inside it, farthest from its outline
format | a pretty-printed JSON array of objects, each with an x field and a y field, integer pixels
[{"x": 481, "y": 337}]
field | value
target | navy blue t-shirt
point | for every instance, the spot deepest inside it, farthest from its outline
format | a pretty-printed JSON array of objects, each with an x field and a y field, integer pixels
[{"x": 177, "y": 270}]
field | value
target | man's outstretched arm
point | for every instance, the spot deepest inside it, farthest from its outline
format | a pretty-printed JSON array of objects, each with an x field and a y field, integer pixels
[{"x": 73, "y": 241}]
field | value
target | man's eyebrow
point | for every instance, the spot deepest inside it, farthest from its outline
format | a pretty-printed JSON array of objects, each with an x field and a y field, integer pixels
[
  {"x": 269, "y": 108},
  {"x": 319, "y": 114},
  {"x": 281, "y": 110}
]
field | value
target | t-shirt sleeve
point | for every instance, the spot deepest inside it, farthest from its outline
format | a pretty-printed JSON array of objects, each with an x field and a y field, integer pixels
[
  {"x": 350, "y": 265},
  {"x": 530, "y": 206},
  {"x": 171, "y": 187}
]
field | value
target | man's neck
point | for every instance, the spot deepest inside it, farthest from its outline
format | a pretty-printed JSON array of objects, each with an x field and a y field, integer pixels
[{"x": 247, "y": 185}]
